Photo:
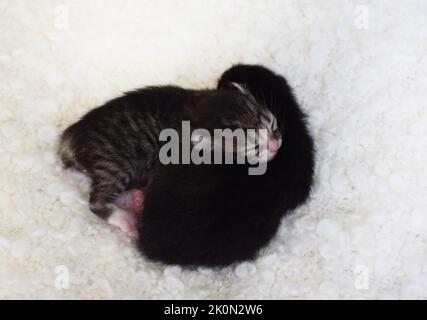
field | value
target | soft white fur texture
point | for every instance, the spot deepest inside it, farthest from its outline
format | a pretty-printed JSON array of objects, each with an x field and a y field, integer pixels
[{"x": 363, "y": 82}]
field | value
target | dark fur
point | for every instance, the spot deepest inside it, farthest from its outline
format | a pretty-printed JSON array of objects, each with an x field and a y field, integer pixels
[
  {"x": 215, "y": 215},
  {"x": 117, "y": 144}
]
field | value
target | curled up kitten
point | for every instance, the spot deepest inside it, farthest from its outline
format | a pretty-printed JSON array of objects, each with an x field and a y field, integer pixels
[
  {"x": 117, "y": 144},
  {"x": 189, "y": 214}
]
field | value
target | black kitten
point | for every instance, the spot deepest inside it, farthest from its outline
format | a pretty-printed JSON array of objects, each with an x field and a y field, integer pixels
[
  {"x": 215, "y": 215},
  {"x": 117, "y": 145}
]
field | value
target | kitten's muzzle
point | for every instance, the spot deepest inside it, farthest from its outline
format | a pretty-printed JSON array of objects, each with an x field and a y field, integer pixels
[{"x": 274, "y": 142}]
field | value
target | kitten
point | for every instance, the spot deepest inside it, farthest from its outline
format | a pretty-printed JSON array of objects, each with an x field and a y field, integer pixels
[
  {"x": 215, "y": 215},
  {"x": 117, "y": 145}
]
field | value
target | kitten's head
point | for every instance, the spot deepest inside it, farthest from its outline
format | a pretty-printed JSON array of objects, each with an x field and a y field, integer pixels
[{"x": 237, "y": 110}]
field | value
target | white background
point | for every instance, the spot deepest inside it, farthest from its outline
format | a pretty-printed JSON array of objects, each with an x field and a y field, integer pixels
[{"x": 359, "y": 70}]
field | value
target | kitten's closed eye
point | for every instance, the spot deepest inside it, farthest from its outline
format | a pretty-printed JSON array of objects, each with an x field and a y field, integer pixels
[
  {"x": 248, "y": 127},
  {"x": 273, "y": 141}
]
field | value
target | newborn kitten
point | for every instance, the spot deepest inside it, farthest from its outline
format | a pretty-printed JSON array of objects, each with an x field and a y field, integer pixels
[
  {"x": 215, "y": 215},
  {"x": 117, "y": 144}
]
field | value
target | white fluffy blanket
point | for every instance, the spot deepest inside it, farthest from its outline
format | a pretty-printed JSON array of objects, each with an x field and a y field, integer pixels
[{"x": 359, "y": 70}]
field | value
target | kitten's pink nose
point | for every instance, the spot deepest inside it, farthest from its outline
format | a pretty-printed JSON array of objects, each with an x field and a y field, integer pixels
[{"x": 273, "y": 145}]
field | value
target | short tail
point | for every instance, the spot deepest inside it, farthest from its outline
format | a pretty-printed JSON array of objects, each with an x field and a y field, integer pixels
[{"x": 66, "y": 150}]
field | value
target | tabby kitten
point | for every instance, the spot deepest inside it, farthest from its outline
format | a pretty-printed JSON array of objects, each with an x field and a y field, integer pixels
[{"x": 117, "y": 144}]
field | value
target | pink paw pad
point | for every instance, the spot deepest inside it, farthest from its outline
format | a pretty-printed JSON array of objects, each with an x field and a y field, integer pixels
[
  {"x": 126, "y": 221},
  {"x": 131, "y": 200}
]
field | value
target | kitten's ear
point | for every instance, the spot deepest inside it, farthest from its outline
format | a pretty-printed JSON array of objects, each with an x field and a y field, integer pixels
[
  {"x": 228, "y": 85},
  {"x": 236, "y": 86},
  {"x": 239, "y": 87},
  {"x": 242, "y": 88}
]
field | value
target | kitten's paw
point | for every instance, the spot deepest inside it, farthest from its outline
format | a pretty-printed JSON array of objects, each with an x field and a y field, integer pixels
[
  {"x": 131, "y": 200},
  {"x": 125, "y": 220}
]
